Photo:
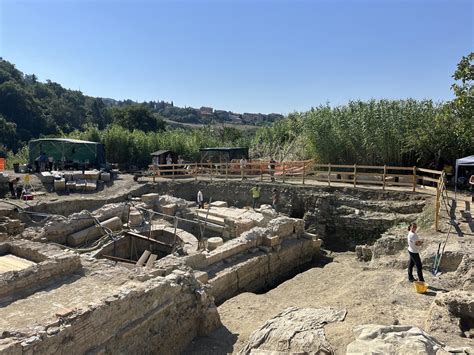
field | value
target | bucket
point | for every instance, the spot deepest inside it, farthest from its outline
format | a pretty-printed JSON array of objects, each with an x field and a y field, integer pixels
[{"x": 420, "y": 286}]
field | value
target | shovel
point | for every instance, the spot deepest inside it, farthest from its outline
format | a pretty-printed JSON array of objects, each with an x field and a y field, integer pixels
[{"x": 438, "y": 259}]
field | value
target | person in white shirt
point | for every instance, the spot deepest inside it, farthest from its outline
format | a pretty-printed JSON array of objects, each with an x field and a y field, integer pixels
[
  {"x": 200, "y": 199},
  {"x": 414, "y": 247}
]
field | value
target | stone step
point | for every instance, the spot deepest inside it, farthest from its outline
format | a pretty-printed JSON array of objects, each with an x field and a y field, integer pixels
[
  {"x": 211, "y": 219},
  {"x": 212, "y": 212}
]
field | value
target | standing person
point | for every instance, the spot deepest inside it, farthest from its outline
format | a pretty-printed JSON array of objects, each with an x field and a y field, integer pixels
[
  {"x": 243, "y": 165},
  {"x": 200, "y": 199},
  {"x": 169, "y": 160},
  {"x": 275, "y": 199},
  {"x": 42, "y": 160},
  {"x": 12, "y": 186},
  {"x": 414, "y": 247},
  {"x": 50, "y": 163},
  {"x": 255, "y": 195},
  {"x": 271, "y": 168}
]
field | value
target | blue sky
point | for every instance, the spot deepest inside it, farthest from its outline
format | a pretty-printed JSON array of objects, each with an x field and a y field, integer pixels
[{"x": 245, "y": 56}]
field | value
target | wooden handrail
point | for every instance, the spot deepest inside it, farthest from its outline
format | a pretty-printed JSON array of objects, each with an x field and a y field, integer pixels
[{"x": 429, "y": 171}]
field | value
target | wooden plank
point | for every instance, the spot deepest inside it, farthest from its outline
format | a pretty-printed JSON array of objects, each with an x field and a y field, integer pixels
[
  {"x": 430, "y": 171},
  {"x": 143, "y": 258},
  {"x": 154, "y": 241},
  {"x": 369, "y": 182},
  {"x": 345, "y": 166},
  {"x": 342, "y": 180},
  {"x": 426, "y": 178},
  {"x": 115, "y": 258},
  {"x": 398, "y": 183},
  {"x": 151, "y": 260},
  {"x": 399, "y": 175},
  {"x": 369, "y": 167},
  {"x": 369, "y": 174},
  {"x": 399, "y": 168}
]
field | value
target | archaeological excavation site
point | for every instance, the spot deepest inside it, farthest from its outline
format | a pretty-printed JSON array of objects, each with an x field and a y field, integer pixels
[{"x": 142, "y": 269}]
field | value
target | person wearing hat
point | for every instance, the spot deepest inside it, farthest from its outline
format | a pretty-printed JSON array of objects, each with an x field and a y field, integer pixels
[{"x": 255, "y": 195}]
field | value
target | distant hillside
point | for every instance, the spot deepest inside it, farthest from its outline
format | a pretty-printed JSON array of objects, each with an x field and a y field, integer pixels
[
  {"x": 30, "y": 109},
  {"x": 202, "y": 115}
]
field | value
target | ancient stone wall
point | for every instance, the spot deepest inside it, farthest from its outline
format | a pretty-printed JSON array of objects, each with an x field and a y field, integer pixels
[
  {"x": 160, "y": 315},
  {"x": 342, "y": 217},
  {"x": 51, "y": 263}
]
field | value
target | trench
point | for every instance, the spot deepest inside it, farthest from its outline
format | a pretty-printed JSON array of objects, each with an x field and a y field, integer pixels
[
  {"x": 320, "y": 261},
  {"x": 341, "y": 217}
]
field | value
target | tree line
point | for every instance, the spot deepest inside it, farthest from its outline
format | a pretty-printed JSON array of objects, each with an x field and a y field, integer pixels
[{"x": 376, "y": 132}]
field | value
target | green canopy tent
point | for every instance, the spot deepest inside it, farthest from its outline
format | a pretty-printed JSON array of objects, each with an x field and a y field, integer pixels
[{"x": 70, "y": 152}]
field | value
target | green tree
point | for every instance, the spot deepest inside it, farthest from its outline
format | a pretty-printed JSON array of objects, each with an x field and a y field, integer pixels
[
  {"x": 137, "y": 117},
  {"x": 8, "y": 133}
]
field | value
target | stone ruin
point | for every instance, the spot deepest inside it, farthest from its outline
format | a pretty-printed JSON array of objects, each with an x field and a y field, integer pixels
[
  {"x": 149, "y": 273},
  {"x": 97, "y": 281}
]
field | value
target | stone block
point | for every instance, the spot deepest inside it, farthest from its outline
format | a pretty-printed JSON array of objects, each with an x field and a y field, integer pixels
[
  {"x": 46, "y": 177},
  {"x": 105, "y": 177},
  {"x": 135, "y": 218},
  {"x": 219, "y": 204},
  {"x": 60, "y": 185},
  {"x": 214, "y": 242},
  {"x": 271, "y": 241},
  {"x": 93, "y": 232},
  {"x": 169, "y": 209},
  {"x": 201, "y": 276},
  {"x": 150, "y": 198},
  {"x": 91, "y": 185},
  {"x": 91, "y": 175}
]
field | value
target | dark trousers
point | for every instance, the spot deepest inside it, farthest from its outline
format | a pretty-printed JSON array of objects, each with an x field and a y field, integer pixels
[
  {"x": 415, "y": 261},
  {"x": 255, "y": 202},
  {"x": 12, "y": 189}
]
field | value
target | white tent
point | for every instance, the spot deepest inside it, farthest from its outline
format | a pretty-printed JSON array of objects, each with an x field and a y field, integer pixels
[{"x": 466, "y": 161}]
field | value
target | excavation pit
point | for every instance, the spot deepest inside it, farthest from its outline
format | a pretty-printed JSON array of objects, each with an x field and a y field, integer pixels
[
  {"x": 27, "y": 267},
  {"x": 113, "y": 305}
]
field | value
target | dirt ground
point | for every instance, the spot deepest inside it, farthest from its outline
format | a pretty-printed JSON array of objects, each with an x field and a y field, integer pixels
[
  {"x": 377, "y": 296},
  {"x": 370, "y": 295},
  {"x": 44, "y": 194}
]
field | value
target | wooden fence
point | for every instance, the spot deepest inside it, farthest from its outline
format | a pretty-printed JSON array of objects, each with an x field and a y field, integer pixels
[{"x": 307, "y": 172}]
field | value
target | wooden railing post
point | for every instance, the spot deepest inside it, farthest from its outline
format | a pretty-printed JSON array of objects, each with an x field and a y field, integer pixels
[
  {"x": 172, "y": 172},
  {"x": 226, "y": 172},
  {"x": 196, "y": 172},
  {"x": 284, "y": 172},
  {"x": 329, "y": 174},
  {"x": 355, "y": 174},
  {"x": 304, "y": 171},
  {"x": 384, "y": 175},
  {"x": 414, "y": 178},
  {"x": 261, "y": 172},
  {"x": 154, "y": 173}
]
